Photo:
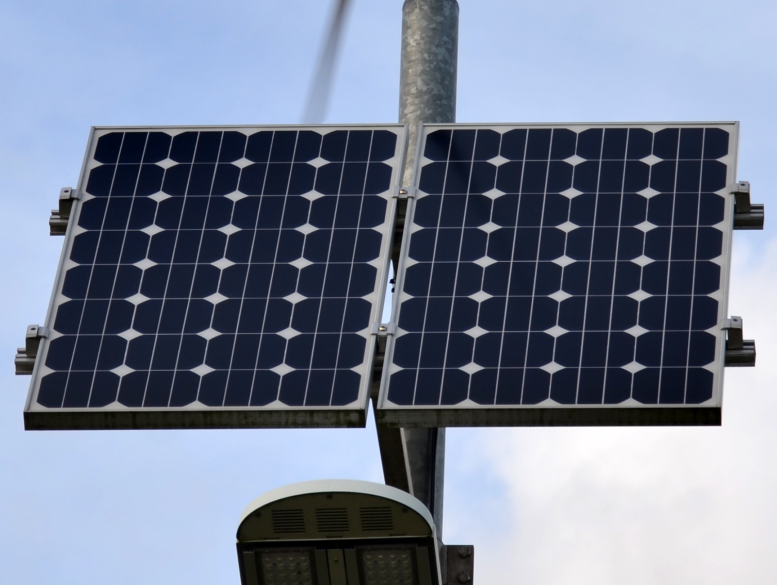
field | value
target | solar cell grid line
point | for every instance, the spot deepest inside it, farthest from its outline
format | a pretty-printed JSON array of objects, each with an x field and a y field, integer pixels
[
  {"x": 220, "y": 277},
  {"x": 90, "y": 388},
  {"x": 534, "y": 284},
  {"x": 265, "y": 313},
  {"x": 693, "y": 288},
  {"x": 350, "y": 279},
  {"x": 664, "y": 334},
  {"x": 685, "y": 388},
  {"x": 612, "y": 290},
  {"x": 91, "y": 398},
  {"x": 588, "y": 284},
  {"x": 226, "y": 400},
  {"x": 264, "y": 319},
  {"x": 504, "y": 324},
  {"x": 348, "y": 284},
  {"x": 563, "y": 275},
  {"x": 166, "y": 400},
  {"x": 450, "y": 314},
  {"x": 89, "y": 401}
]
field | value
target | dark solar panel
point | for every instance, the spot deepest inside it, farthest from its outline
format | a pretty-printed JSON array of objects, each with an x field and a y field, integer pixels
[
  {"x": 220, "y": 277},
  {"x": 563, "y": 268}
]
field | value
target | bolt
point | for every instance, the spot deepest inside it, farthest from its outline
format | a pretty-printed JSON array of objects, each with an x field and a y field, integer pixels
[
  {"x": 464, "y": 577},
  {"x": 464, "y": 552}
]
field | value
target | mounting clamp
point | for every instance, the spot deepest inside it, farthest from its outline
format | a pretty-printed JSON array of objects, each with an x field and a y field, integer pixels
[
  {"x": 25, "y": 356},
  {"x": 747, "y": 216},
  {"x": 384, "y": 329},
  {"x": 405, "y": 193},
  {"x": 740, "y": 353},
  {"x": 457, "y": 563},
  {"x": 60, "y": 217}
]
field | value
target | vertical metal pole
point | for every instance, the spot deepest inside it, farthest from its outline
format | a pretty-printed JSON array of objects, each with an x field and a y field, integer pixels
[
  {"x": 414, "y": 459},
  {"x": 427, "y": 85}
]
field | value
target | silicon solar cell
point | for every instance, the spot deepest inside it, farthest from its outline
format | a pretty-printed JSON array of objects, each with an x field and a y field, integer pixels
[
  {"x": 563, "y": 275},
  {"x": 220, "y": 277}
]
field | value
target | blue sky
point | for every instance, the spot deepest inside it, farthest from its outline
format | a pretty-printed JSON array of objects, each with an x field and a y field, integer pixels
[{"x": 560, "y": 506}]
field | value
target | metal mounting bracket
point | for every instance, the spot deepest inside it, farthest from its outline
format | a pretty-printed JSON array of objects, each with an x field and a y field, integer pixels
[
  {"x": 457, "y": 563},
  {"x": 25, "y": 356},
  {"x": 60, "y": 217},
  {"x": 747, "y": 215},
  {"x": 405, "y": 193},
  {"x": 739, "y": 352},
  {"x": 384, "y": 329}
]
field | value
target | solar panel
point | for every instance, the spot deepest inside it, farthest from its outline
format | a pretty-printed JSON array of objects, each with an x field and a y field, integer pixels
[
  {"x": 563, "y": 275},
  {"x": 217, "y": 277}
]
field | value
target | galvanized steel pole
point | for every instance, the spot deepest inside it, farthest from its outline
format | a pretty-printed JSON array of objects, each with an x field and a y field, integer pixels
[
  {"x": 414, "y": 459},
  {"x": 427, "y": 85}
]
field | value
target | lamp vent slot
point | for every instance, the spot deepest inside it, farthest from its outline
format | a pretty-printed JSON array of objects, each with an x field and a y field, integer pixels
[
  {"x": 288, "y": 521},
  {"x": 332, "y": 520},
  {"x": 379, "y": 518}
]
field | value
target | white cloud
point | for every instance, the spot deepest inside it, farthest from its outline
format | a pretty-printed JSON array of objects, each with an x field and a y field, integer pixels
[{"x": 638, "y": 505}]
